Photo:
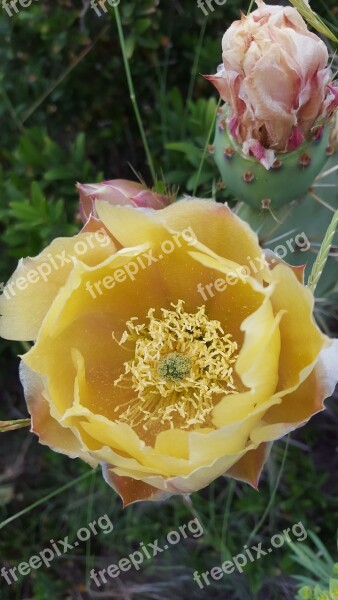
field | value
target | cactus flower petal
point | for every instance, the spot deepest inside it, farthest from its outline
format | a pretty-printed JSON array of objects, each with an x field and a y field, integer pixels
[{"x": 167, "y": 382}]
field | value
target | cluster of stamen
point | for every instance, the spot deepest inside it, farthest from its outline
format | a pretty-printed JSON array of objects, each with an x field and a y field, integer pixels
[{"x": 181, "y": 363}]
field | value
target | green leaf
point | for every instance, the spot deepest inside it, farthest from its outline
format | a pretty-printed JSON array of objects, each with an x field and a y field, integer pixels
[
  {"x": 323, "y": 254},
  {"x": 130, "y": 46},
  {"x": 142, "y": 25},
  {"x": 197, "y": 179},
  {"x": 6, "y": 494},
  {"x": 22, "y": 211},
  {"x": 30, "y": 153},
  {"x": 38, "y": 198},
  {"x": 79, "y": 148},
  {"x": 185, "y": 147},
  {"x": 58, "y": 173},
  {"x": 322, "y": 549},
  {"x": 333, "y": 588},
  {"x": 313, "y": 19}
]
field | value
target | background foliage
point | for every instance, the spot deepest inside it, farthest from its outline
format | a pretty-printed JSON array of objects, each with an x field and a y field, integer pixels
[{"x": 65, "y": 116}]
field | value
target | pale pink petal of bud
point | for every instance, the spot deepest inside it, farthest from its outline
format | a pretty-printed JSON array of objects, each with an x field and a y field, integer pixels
[
  {"x": 255, "y": 148},
  {"x": 296, "y": 139},
  {"x": 117, "y": 192}
]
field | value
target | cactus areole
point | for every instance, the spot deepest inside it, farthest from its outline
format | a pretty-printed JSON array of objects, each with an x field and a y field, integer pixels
[{"x": 289, "y": 178}]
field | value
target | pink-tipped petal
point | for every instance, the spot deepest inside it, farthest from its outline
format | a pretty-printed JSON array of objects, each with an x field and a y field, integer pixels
[
  {"x": 132, "y": 490},
  {"x": 266, "y": 157},
  {"x": 296, "y": 138},
  {"x": 119, "y": 192},
  {"x": 333, "y": 104},
  {"x": 149, "y": 199},
  {"x": 249, "y": 468}
]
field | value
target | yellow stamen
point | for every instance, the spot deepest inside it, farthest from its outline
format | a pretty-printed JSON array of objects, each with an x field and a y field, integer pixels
[{"x": 182, "y": 362}]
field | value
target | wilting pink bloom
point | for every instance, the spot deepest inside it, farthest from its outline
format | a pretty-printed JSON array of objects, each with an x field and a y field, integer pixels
[
  {"x": 117, "y": 192},
  {"x": 275, "y": 79}
]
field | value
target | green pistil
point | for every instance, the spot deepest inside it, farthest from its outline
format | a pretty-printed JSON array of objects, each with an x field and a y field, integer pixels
[{"x": 174, "y": 366}]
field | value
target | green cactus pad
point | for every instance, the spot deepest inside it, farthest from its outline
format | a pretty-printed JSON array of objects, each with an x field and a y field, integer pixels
[
  {"x": 295, "y": 233},
  {"x": 289, "y": 179}
]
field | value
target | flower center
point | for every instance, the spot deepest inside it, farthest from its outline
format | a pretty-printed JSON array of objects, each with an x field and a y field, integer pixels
[
  {"x": 174, "y": 366},
  {"x": 181, "y": 363}
]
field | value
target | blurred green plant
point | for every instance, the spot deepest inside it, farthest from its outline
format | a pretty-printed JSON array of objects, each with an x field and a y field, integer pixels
[
  {"x": 37, "y": 194},
  {"x": 322, "y": 584}
]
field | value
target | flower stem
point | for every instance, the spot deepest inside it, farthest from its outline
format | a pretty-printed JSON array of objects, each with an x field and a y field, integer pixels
[
  {"x": 250, "y": 7},
  {"x": 132, "y": 94},
  {"x": 212, "y": 127},
  {"x": 45, "y": 499},
  {"x": 272, "y": 496}
]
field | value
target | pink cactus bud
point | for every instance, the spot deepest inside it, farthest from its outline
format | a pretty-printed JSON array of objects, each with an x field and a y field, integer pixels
[
  {"x": 275, "y": 80},
  {"x": 118, "y": 192}
]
